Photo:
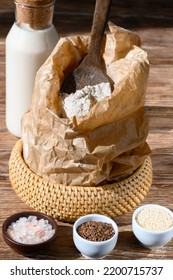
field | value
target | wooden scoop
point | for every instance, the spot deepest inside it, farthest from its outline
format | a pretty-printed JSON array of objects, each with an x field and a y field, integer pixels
[{"x": 90, "y": 71}]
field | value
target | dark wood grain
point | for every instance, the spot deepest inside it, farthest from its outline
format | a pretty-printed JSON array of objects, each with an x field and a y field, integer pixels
[{"x": 153, "y": 21}]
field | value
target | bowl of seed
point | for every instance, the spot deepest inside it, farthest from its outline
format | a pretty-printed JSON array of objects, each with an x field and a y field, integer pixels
[
  {"x": 29, "y": 232},
  {"x": 152, "y": 224},
  {"x": 95, "y": 235}
]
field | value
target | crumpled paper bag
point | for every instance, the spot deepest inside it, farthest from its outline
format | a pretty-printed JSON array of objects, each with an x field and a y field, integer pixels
[{"x": 107, "y": 144}]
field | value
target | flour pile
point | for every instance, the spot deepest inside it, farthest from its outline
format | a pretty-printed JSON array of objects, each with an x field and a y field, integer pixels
[{"x": 80, "y": 102}]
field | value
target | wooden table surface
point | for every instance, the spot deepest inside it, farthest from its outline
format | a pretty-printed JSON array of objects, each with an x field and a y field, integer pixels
[{"x": 153, "y": 21}]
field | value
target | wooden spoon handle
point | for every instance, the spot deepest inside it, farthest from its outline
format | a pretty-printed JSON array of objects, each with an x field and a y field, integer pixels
[{"x": 101, "y": 11}]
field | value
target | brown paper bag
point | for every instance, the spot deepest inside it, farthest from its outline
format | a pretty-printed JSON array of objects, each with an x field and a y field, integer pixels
[{"x": 107, "y": 144}]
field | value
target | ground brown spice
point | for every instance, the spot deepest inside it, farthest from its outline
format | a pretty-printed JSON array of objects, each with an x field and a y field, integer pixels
[{"x": 96, "y": 231}]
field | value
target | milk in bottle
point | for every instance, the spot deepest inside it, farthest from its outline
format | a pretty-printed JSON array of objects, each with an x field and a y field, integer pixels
[{"x": 28, "y": 44}]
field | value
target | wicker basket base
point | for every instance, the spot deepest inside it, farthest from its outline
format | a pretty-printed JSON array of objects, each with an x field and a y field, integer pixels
[{"x": 67, "y": 203}]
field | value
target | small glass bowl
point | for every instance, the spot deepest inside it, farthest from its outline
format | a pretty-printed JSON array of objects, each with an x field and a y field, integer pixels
[
  {"x": 28, "y": 249},
  {"x": 94, "y": 249},
  {"x": 149, "y": 238}
]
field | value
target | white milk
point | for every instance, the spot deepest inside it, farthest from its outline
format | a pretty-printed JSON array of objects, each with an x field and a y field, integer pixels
[{"x": 26, "y": 51}]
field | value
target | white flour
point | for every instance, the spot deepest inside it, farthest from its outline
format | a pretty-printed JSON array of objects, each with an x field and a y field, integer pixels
[{"x": 80, "y": 102}]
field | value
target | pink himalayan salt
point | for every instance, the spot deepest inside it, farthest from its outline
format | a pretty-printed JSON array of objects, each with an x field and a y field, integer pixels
[{"x": 30, "y": 230}]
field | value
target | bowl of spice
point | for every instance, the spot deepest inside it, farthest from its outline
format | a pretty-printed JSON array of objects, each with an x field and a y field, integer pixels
[
  {"x": 152, "y": 224},
  {"x": 95, "y": 235},
  {"x": 28, "y": 232}
]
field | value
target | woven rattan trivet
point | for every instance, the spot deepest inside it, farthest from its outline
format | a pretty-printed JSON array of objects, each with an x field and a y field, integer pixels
[{"x": 67, "y": 203}]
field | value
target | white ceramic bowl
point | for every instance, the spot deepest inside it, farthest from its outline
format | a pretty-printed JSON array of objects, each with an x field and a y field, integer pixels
[
  {"x": 150, "y": 238},
  {"x": 94, "y": 249}
]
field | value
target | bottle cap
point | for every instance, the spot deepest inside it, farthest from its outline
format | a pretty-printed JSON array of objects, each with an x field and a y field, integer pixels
[
  {"x": 37, "y": 14},
  {"x": 35, "y": 3}
]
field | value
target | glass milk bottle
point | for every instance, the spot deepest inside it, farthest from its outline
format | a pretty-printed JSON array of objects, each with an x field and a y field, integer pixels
[{"x": 28, "y": 44}]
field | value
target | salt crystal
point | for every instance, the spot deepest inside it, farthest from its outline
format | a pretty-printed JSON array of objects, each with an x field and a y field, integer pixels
[
  {"x": 41, "y": 223},
  {"x": 22, "y": 219},
  {"x": 30, "y": 230},
  {"x": 32, "y": 219},
  {"x": 49, "y": 227}
]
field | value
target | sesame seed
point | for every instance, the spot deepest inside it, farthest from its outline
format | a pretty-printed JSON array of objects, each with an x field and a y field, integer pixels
[{"x": 154, "y": 218}]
